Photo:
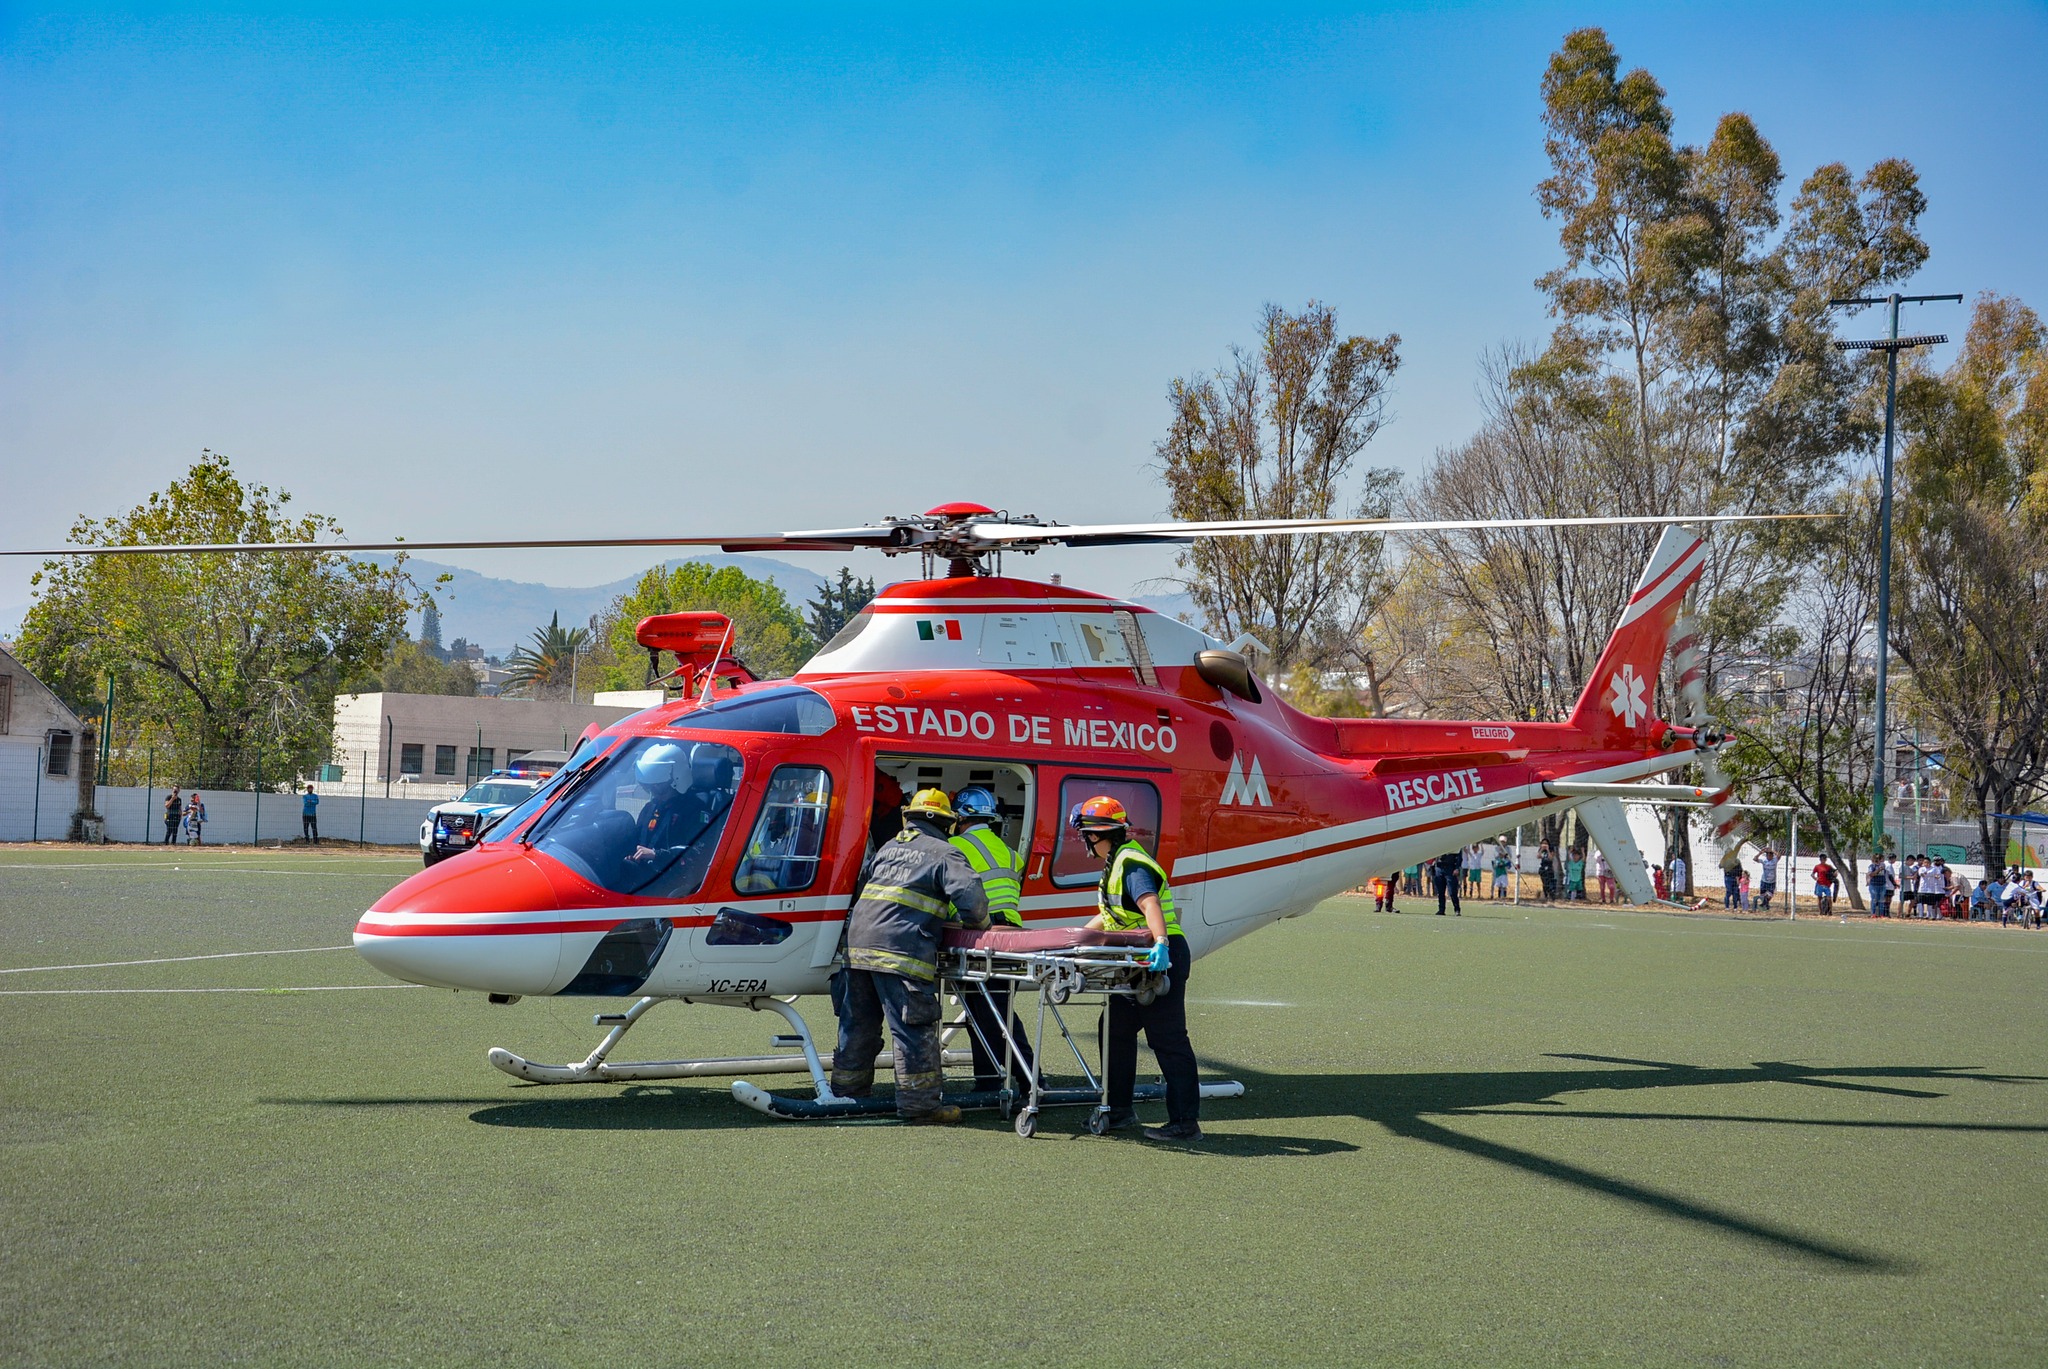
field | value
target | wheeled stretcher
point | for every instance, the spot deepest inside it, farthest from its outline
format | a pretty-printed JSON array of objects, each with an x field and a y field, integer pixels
[{"x": 1058, "y": 968}]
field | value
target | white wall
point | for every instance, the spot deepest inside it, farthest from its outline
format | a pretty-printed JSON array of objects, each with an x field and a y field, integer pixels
[
  {"x": 231, "y": 817},
  {"x": 19, "y": 817}
]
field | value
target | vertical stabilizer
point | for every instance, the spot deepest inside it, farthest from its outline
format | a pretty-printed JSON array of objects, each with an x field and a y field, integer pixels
[{"x": 1619, "y": 705}]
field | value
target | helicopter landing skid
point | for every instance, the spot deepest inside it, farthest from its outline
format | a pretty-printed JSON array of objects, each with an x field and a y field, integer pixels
[{"x": 596, "y": 1069}]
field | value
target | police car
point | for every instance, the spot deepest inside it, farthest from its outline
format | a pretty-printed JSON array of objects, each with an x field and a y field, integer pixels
[{"x": 452, "y": 828}]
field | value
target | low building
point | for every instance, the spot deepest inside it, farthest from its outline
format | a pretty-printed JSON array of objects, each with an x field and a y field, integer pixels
[
  {"x": 47, "y": 766},
  {"x": 445, "y": 741}
]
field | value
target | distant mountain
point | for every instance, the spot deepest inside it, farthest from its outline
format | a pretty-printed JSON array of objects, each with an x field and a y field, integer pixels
[
  {"x": 1181, "y": 606},
  {"x": 497, "y": 614}
]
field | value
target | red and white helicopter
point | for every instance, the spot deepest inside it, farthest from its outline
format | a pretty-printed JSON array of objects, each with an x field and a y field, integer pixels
[{"x": 1045, "y": 694}]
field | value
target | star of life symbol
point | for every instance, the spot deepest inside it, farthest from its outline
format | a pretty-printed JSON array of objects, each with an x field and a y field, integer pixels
[{"x": 1628, "y": 702}]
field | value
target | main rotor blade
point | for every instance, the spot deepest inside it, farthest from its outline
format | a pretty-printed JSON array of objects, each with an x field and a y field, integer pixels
[
  {"x": 830, "y": 539},
  {"x": 1115, "y": 534}
]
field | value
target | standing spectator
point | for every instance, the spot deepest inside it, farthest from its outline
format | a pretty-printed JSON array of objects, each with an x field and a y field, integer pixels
[
  {"x": 1575, "y": 876},
  {"x": 195, "y": 820},
  {"x": 1731, "y": 878},
  {"x": 1824, "y": 885},
  {"x": 1677, "y": 876},
  {"x": 1411, "y": 881},
  {"x": 1742, "y": 893},
  {"x": 1603, "y": 875},
  {"x": 309, "y": 816},
  {"x": 1766, "y": 878},
  {"x": 1546, "y": 871},
  {"x": 1469, "y": 866},
  {"x": 174, "y": 810},
  {"x": 1383, "y": 893},
  {"x": 1660, "y": 880},
  {"x": 1501, "y": 861},
  {"x": 1881, "y": 880},
  {"x": 1933, "y": 888}
]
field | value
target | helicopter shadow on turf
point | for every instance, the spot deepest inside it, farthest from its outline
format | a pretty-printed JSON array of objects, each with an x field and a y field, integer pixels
[{"x": 1417, "y": 1107}]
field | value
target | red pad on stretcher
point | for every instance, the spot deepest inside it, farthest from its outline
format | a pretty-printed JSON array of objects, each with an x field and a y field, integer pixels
[{"x": 1050, "y": 939}]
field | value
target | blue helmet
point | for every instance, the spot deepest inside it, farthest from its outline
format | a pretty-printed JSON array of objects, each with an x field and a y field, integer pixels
[{"x": 976, "y": 802}]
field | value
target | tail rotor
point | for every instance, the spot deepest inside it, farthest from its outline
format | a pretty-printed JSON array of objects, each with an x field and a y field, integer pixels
[{"x": 1722, "y": 815}]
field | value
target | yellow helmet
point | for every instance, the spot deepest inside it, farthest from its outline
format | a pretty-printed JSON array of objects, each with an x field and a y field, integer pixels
[{"x": 932, "y": 803}]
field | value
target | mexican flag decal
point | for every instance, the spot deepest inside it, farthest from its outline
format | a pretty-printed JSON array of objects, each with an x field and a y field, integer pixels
[{"x": 938, "y": 629}]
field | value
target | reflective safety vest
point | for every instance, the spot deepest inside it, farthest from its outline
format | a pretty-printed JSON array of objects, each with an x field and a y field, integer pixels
[
  {"x": 1000, "y": 870},
  {"x": 1116, "y": 917}
]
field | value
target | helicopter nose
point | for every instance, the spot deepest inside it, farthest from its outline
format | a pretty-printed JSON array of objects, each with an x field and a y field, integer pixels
[{"x": 484, "y": 921}]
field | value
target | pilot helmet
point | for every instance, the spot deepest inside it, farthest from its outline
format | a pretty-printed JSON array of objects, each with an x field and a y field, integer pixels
[{"x": 661, "y": 763}]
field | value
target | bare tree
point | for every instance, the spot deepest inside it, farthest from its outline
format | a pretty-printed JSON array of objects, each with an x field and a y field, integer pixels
[
  {"x": 1799, "y": 723},
  {"x": 1276, "y": 434}
]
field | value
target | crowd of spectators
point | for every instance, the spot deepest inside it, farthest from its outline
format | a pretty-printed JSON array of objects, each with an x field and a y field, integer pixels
[{"x": 1921, "y": 886}]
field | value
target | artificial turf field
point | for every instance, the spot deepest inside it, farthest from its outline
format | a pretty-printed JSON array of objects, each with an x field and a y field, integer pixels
[{"x": 1521, "y": 1137}]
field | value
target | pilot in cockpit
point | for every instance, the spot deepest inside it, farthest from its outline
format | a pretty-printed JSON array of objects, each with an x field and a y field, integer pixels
[{"x": 671, "y": 816}]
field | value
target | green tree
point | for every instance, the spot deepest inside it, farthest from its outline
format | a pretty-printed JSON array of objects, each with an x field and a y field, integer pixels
[
  {"x": 550, "y": 667},
  {"x": 413, "y": 668},
  {"x": 836, "y": 604},
  {"x": 1972, "y": 589},
  {"x": 768, "y": 634},
  {"x": 430, "y": 628},
  {"x": 1276, "y": 434},
  {"x": 225, "y": 664}
]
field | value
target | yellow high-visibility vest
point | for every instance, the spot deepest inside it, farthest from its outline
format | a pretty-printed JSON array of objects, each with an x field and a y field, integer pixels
[{"x": 1000, "y": 870}]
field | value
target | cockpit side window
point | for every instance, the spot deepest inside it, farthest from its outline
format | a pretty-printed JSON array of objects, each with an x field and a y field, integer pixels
[
  {"x": 648, "y": 822},
  {"x": 782, "y": 857}
]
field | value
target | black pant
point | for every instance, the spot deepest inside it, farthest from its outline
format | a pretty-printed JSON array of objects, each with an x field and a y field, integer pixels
[
  {"x": 170, "y": 830},
  {"x": 309, "y": 827},
  {"x": 987, "y": 1014},
  {"x": 1447, "y": 884},
  {"x": 1165, "y": 1020}
]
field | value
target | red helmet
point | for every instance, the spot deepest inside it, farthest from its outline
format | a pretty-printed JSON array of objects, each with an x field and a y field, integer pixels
[{"x": 1099, "y": 814}]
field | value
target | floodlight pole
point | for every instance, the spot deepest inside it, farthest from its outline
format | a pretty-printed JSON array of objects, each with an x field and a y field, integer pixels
[{"x": 1890, "y": 346}]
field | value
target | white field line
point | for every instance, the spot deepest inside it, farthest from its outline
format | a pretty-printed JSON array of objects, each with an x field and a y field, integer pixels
[
  {"x": 290, "y": 988},
  {"x": 172, "y": 959},
  {"x": 1861, "y": 938},
  {"x": 1240, "y": 1003}
]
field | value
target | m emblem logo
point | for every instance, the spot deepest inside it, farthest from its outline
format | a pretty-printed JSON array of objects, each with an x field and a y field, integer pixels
[
  {"x": 1246, "y": 787},
  {"x": 1628, "y": 702}
]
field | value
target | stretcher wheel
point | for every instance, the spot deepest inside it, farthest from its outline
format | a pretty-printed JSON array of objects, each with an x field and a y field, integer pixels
[
  {"x": 1057, "y": 992},
  {"x": 1027, "y": 1123},
  {"x": 1098, "y": 1122},
  {"x": 1150, "y": 988}
]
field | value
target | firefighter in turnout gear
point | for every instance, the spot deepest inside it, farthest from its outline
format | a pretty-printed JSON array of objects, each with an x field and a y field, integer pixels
[
  {"x": 1001, "y": 872},
  {"x": 1134, "y": 896},
  {"x": 912, "y": 888}
]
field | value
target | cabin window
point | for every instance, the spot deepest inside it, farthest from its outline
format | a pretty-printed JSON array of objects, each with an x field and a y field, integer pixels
[
  {"x": 647, "y": 820},
  {"x": 855, "y": 625},
  {"x": 1071, "y": 863},
  {"x": 789, "y": 709},
  {"x": 782, "y": 857}
]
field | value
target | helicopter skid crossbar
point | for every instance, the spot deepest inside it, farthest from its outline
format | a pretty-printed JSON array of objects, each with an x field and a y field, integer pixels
[{"x": 597, "y": 1069}]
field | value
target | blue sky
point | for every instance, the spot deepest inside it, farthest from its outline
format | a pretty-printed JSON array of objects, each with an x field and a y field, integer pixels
[{"x": 488, "y": 270}]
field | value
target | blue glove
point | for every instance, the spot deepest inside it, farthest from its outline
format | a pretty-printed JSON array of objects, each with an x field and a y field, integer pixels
[{"x": 1161, "y": 958}]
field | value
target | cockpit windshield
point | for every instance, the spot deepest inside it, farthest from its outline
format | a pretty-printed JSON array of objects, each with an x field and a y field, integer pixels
[
  {"x": 789, "y": 708},
  {"x": 648, "y": 820},
  {"x": 587, "y": 750}
]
